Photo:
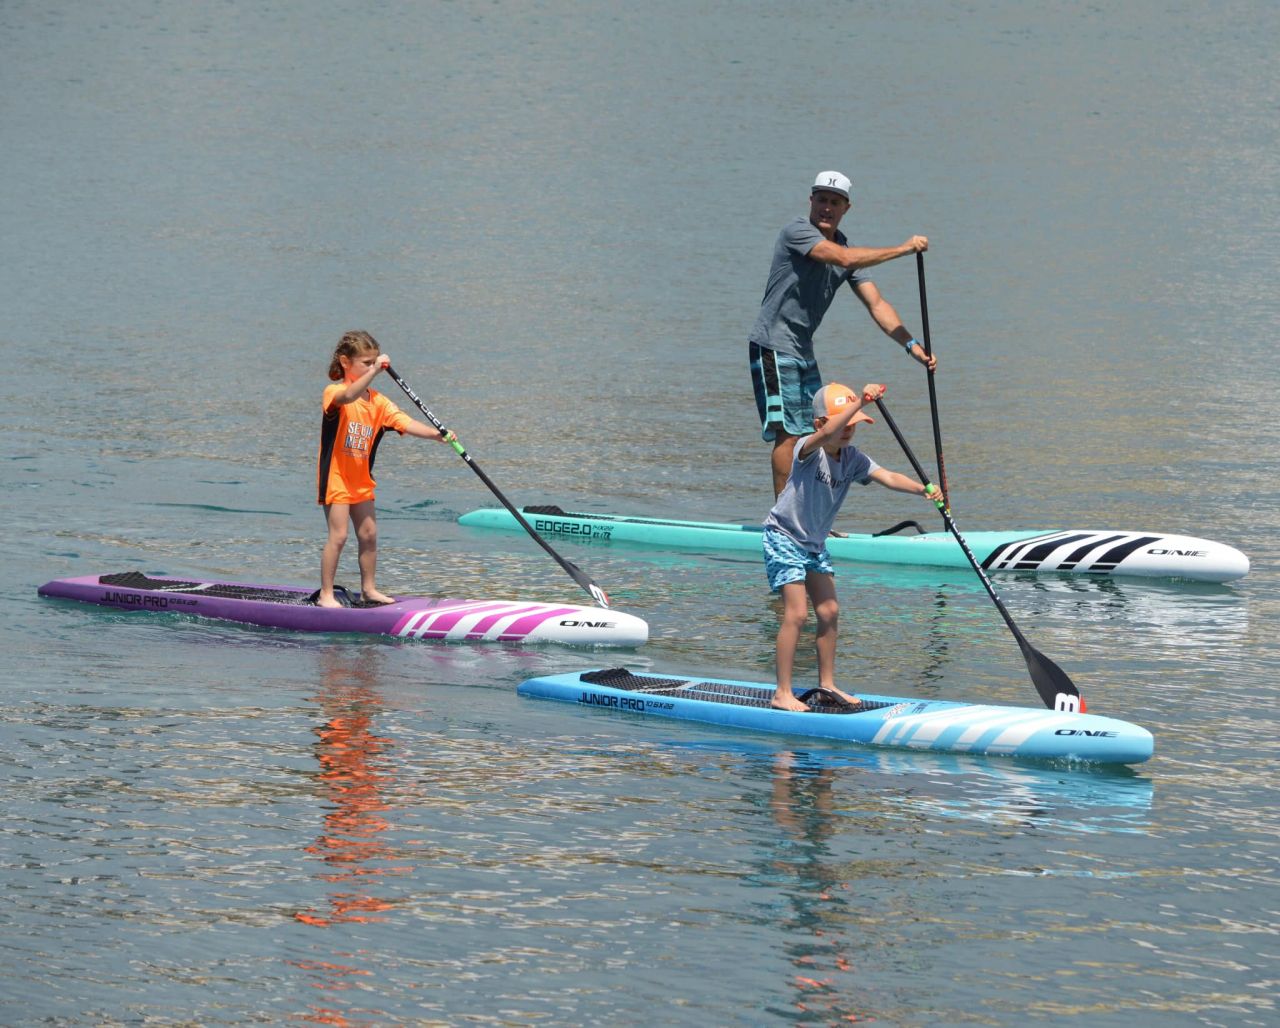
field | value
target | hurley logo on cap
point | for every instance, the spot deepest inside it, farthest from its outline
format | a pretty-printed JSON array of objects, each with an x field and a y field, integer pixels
[{"x": 833, "y": 182}]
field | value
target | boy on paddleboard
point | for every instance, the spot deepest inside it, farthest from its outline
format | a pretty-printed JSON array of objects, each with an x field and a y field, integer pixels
[
  {"x": 811, "y": 259},
  {"x": 823, "y": 465},
  {"x": 355, "y": 419}
]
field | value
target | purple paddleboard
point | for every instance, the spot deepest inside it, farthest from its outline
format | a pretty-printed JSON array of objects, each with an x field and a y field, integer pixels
[{"x": 410, "y": 617}]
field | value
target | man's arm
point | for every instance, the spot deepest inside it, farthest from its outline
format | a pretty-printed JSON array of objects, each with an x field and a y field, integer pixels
[
  {"x": 883, "y": 314},
  {"x": 858, "y": 257}
]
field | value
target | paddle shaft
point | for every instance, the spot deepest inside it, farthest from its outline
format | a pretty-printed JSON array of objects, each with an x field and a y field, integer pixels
[
  {"x": 1051, "y": 682},
  {"x": 574, "y": 572},
  {"x": 947, "y": 518},
  {"x": 933, "y": 393}
]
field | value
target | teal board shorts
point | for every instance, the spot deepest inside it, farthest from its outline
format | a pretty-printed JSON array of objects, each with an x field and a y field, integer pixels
[
  {"x": 784, "y": 386},
  {"x": 786, "y": 561}
]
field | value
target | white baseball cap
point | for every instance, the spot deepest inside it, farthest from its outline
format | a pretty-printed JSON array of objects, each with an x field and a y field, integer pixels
[{"x": 833, "y": 182}]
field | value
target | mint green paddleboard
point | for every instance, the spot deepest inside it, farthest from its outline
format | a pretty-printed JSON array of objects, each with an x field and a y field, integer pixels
[{"x": 1142, "y": 554}]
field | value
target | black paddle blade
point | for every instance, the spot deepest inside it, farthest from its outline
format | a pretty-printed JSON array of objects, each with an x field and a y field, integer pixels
[
  {"x": 1056, "y": 689},
  {"x": 579, "y": 576},
  {"x": 1054, "y": 685}
]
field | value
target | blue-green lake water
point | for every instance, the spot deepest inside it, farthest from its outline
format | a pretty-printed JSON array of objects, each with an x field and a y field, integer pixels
[{"x": 557, "y": 217}]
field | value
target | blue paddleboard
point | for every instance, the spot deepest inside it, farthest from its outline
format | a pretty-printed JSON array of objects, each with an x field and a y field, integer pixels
[{"x": 942, "y": 725}]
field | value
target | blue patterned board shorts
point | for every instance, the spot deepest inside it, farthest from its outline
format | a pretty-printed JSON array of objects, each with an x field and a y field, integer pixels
[
  {"x": 784, "y": 386},
  {"x": 785, "y": 561}
]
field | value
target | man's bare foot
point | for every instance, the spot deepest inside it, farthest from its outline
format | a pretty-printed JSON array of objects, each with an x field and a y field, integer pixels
[{"x": 787, "y": 701}]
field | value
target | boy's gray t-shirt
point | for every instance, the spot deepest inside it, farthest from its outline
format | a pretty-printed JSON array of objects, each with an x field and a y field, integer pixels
[
  {"x": 808, "y": 504},
  {"x": 799, "y": 291}
]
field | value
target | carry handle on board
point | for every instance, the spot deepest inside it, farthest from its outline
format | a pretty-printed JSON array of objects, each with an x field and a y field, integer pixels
[
  {"x": 1052, "y": 683},
  {"x": 575, "y": 572}
]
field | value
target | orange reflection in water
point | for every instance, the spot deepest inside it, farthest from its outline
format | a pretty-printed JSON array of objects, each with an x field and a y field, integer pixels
[
  {"x": 355, "y": 775},
  {"x": 354, "y": 770},
  {"x": 334, "y": 975}
]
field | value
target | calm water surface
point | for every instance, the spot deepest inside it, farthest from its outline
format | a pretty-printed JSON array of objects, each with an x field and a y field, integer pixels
[{"x": 557, "y": 217}]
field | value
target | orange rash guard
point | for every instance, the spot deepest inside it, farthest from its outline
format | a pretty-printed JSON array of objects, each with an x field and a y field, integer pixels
[{"x": 349, "y": 437}]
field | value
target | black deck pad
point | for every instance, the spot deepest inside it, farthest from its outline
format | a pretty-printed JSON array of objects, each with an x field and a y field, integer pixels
[
  {"x": 621, "y": 678},
  {"x": 222, "y": 590},
  {"x": 549, "y": 509},
  {"x": 714, "y": 692}
]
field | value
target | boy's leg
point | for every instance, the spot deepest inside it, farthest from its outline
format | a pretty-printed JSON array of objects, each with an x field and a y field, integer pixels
[
  {"x": 365, "y": 518},
  {"x": 822, "y": 590},
  {"x": 336, "y": 516},
  {"x": 795, "y": 604}
]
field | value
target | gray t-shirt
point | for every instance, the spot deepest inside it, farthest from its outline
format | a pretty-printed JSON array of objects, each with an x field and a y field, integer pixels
[
  {"x": 799, "y": 291},
  {"x": 809, "y": 502}
]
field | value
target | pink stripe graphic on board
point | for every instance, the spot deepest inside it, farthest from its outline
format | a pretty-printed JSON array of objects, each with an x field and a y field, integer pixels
[
  {"x": 419, "y": 621},
  {"x": 527, "y": 624},
  {"x": 405, "y": 621},
  {"x": 445, "y": 621},
  {"x": 478, "y": 630}
]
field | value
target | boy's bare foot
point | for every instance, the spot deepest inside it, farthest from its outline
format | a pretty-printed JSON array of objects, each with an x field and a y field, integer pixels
[
  {"x": 374, "y": 596},
  {"x": 787, "y": 701},
  {"x": 853, "y": 701},
  {"x": 322, "y": 601}
]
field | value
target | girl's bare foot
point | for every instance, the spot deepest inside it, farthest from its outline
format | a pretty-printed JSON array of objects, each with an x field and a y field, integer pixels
[
  {"x": 374, "y": 596},
  {"x": 327, "y": 601}
]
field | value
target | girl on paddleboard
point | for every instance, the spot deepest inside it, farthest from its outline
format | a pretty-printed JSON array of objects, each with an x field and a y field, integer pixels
[
  {"x": 823, "y": 466},
  {"x": 354, "y": 420}
]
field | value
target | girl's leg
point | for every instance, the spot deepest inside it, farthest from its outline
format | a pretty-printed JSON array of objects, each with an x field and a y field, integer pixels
[
  {"x": 795, "y": 604},
  {"x": 822, "y": 589},
  {"x": 336, "y": 516},
  {"x": 365, "y": 519}
]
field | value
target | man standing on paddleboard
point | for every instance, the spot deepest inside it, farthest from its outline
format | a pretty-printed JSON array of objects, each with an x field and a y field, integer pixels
[{"x": 811, "y": 259}]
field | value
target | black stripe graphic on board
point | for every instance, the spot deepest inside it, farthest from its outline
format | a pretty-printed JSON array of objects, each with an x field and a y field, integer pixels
[
  {"x": 1118, "y": 553},
  {"x": 1035, "y": 557},
  {"x": 1079, "y": 554},
  {"x": 1012, "y": 548}
]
